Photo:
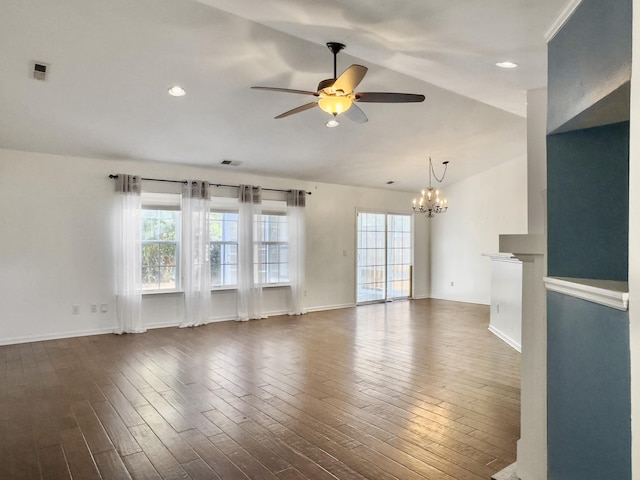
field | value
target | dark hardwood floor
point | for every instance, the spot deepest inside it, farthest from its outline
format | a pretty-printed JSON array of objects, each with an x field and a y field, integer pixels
[{"x": 405, "y": 390}]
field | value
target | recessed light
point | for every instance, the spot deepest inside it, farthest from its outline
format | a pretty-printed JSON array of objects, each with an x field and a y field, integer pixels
[
  {"x": 332, "y": 123},
  {"x": 177, "y": 91},
  {"x": 506, "y": 64}
]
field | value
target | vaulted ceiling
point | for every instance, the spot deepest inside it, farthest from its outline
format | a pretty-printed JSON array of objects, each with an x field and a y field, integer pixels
[{"x": 112, "y": 61}]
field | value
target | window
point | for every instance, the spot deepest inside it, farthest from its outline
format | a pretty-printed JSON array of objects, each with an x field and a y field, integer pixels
[
  {"x": 273, "y": 249},
  {"x": 161, "y": 229},
  {"x": 160, "y": 242},
  {"x": 223, "y": 241},
  {"x": 160, "y": 234}
]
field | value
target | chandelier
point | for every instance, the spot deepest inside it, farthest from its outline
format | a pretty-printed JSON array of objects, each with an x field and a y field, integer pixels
[{"x": 432, "y": 201}]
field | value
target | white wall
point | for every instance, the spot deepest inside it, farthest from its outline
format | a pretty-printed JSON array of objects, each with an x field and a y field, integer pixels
[
  {"x": 480, "y": 208},
  {"x": 537, "y": 160},
  {"x": 56, "y": 249}
]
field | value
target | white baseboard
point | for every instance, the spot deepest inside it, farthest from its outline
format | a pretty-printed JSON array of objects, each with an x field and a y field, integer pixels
[
  {"x": 508, "y": 473},
  {"x": 420, "y": 297},
  {"x": 461, "y": 300},
  {"x": 505, "y": 338},
  {"x": 56, "y": 336},
  {"x": 331, "y": 307},
  {"x": 152, "y": 326}
]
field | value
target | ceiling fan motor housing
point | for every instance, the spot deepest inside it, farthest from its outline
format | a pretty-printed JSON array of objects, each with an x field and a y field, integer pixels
[{"x": 326, "y": 84}]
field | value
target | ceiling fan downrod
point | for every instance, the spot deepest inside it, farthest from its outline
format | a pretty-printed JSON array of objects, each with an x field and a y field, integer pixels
[{"x": 335, "y": 47}]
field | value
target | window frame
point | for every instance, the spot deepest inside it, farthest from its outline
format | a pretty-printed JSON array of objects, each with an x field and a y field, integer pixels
[
  {"x": 163, "y": 202},
  {"x": 215, "y": 208},
  {"x": 279, "y": 209}
]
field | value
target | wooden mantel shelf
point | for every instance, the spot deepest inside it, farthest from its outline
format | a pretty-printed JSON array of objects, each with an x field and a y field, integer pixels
[{"x": 604, "y": 292}]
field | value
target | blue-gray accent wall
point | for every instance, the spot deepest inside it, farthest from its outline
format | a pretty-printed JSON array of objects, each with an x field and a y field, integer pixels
[
  {"x": 588, "y": 203},
  {"x": 589, "y": 58},
  {"x": 589, "y": 399},
  {"x": 588, "y": 352}
]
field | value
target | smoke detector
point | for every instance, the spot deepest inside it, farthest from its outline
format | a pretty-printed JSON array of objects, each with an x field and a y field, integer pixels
[{"x": 40, "y": 70}]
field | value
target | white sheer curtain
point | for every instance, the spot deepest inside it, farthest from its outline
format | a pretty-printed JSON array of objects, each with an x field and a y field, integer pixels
[
  {"x": 249, "y": 296},
  {"x": 128, "y": 252},
  {"x": 296, "y": 200},
  {"x": 195, "y": 255}
]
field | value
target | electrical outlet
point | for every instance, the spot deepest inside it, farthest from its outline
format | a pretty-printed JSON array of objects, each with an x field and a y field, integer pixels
[
  {"x": 94, "y": 308},
  {"x": 104, "y": 307},
  {"x": 75, "y": 309}
]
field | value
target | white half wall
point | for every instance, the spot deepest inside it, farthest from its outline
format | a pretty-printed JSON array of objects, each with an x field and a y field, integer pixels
[
  {"x": 56, "y": 248},
  {"x": 480, "y": 208},
  {"x": 505, "y": 320}
]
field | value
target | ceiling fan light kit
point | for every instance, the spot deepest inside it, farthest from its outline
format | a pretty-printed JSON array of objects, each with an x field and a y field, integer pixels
[
  {"x": 334, "y": 104},
  {"x": 336, "y": 95}
]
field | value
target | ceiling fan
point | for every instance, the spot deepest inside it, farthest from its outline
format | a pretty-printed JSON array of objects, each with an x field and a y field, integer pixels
[{"x": 336, "y": 95}]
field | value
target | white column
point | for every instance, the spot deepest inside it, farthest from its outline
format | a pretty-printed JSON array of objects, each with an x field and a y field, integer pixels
[{"x": 532, "y": 446}]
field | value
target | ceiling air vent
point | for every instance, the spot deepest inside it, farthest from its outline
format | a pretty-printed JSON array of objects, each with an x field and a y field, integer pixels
[
  {"x": 233, "y": 163},
  {"x": 40, "y": 70}
]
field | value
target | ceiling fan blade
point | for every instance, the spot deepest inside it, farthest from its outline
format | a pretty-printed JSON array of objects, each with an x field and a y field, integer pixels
[
  {"x": 350, "y": 78},
  {"x": 286, "y": 90},
  {"x": 355, "y": 114},
  {"x": 388, "y": 97},
  {"x": 302, "y": 108}
]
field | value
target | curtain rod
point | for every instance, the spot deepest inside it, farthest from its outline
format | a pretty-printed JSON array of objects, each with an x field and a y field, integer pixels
[{"x": 211, "y": 184}]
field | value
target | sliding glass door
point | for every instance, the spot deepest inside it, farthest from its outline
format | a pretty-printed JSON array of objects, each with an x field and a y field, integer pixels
[{"x": 383, "y": 257}]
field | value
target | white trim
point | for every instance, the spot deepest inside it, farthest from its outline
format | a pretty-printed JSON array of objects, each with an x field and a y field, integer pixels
[
  {"x": 420, "y": 297},
  {"x": 214, "y": 289},
  {"x": 507, "y": 473},
  {"x": 603, "y": 292},
  {"x": 506, "y": 339},
  {"x": 57, "y": 336},
  {"x": 161, "y": 292},
  {"x": 330, "y": 307},
  {"x": 561, "y": 19},
  {"x": 462, "y": 300},
  {"x": 154, "y": 326},
  {"x": 502, "y": 257}
]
